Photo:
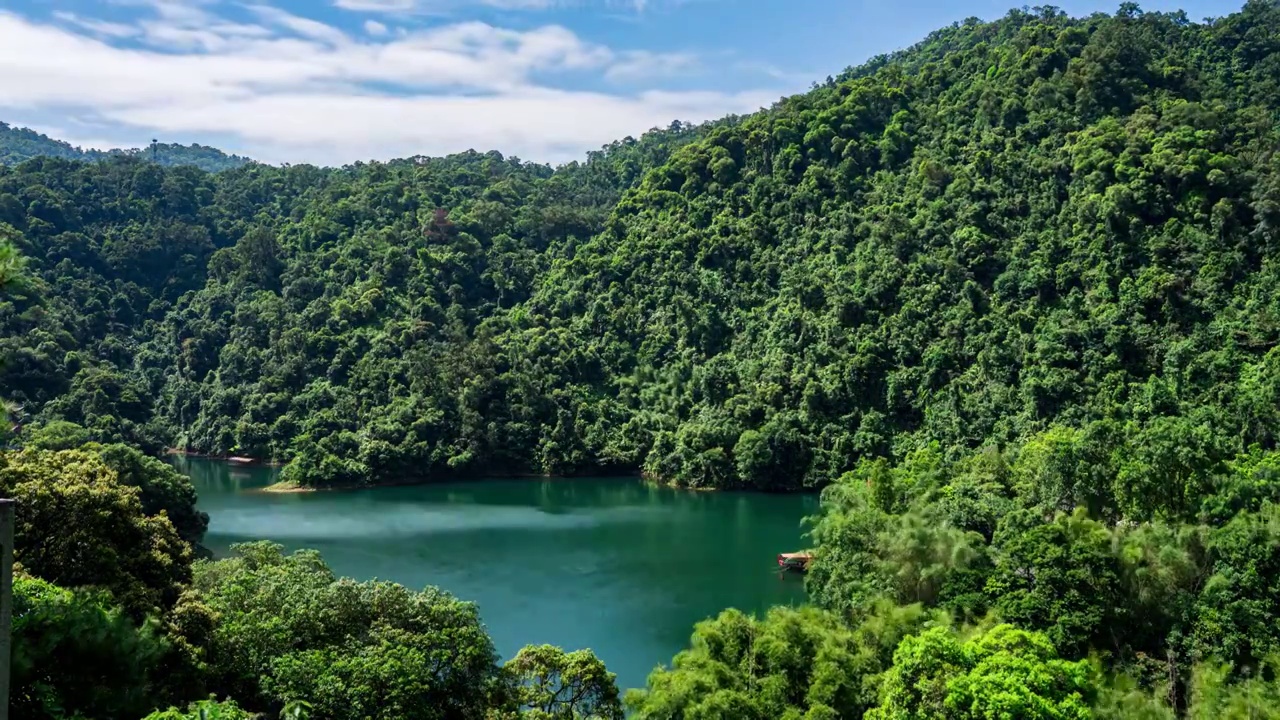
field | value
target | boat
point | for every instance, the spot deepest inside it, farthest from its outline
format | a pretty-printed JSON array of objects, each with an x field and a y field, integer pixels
[
  {"x": 238, "y": 460},
  {"x": 795, "y": 562}
]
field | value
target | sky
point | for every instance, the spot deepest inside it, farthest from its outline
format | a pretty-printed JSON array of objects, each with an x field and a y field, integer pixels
[{"x": 337, "y": 81}]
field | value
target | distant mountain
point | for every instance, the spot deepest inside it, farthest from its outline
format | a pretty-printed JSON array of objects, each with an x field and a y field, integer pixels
[{"x": 19, "y": 144}]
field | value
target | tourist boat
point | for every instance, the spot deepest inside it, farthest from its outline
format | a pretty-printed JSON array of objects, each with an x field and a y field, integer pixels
[
  {"x": 796, "y": 562},
  {"x": 238, "y": 460}
]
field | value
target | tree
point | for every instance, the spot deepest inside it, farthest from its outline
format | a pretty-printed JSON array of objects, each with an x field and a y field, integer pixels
[
  {"x": 1041, "y": 230},
  {"x": 1124, "y": 699},
  {"x": 203, "y": 710},
  {"x": 58, "y": 435},
  {"x": 289, "y": 630},
  {"x": 1064, "y": 468},
  {"x": 1003, "y": 672},
  {"x": 111, "y": 404},
  {"x": 163, "y": 489},
  {"x": 81, "y": 527},
  {"x": 771, "y": 458},
  {"x": 11, "y": 272},
  {"x": 1238, "y": 608},
  {"x": 845, "y": 572},
  {"x": 1215, "y": 697},
  {"x": 551, "y": 684},
  {"x": 79, "y": 655},
  {"x": 11, "y": 262},
  {"x": 1010, "y": 296},
  {"x": 1169, "y": 466},
  {"x": 792, "y": 663},
  {"x": 928, "y": 561},
  {"x": 1061, "y": 578}
]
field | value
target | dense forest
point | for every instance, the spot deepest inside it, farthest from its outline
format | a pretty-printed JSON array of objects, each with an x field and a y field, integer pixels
[
  {"x": 1012, "y": 225},
  {"x": 19, "y": 144},
  {"x": 351, "y": 321},
  {"x": 1010, "y": 298}
]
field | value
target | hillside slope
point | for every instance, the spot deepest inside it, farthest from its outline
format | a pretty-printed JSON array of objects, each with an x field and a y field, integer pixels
[
  {"x": 112, "y": 335},
  {"x": 1014, "y": 224}
]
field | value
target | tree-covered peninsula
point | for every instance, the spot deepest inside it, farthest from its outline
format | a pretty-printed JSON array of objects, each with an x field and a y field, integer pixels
[{"x": 1010, "y": 298}]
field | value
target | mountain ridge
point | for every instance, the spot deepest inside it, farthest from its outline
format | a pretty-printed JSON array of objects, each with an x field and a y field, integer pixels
[
  {"x": 19, "y": 144},
  {"x": 750, "y": 303}
]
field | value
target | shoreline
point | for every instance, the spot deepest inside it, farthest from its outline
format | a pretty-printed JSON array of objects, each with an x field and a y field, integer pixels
[
  {"x": 231, "y": 459},
  {"x": 285, "y": 487},
  {"x": 288, "y": 487}
]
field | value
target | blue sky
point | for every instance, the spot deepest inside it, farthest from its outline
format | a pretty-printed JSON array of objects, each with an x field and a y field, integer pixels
[{"x": 334, "y": 81}]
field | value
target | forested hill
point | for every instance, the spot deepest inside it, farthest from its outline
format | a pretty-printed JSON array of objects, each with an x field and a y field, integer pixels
[
  {"x": 19, "y": 144},
  {"x": 1036, "y": 221}
]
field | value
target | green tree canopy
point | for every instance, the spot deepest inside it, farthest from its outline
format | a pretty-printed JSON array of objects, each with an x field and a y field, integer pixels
[
  {"x": 79, "y": 526},
  {"x": 551, "y": 684},
  {"x": 289, "y": 630},
  {"x": 79, "y": 655},
  {"x": 1000, "y": 673},
  {"x": 792, "y": 664}
]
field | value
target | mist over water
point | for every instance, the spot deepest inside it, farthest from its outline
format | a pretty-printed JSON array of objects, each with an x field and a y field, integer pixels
[
  {"x": 406, "y": 520},
  {"x": 607, "y": 564}
]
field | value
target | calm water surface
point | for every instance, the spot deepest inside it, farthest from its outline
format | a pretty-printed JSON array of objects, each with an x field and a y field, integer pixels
[{"x": 607, "y": 564}]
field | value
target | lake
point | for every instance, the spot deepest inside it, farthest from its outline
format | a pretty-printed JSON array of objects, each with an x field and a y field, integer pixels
[{"x": 614, "y": 565}]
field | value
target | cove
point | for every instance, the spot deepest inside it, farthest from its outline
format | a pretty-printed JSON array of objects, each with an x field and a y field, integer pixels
[{"x": 614, "y": 565}]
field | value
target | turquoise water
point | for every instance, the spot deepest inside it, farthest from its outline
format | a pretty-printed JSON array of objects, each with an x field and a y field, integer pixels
[{"x": 608, "y": 564}]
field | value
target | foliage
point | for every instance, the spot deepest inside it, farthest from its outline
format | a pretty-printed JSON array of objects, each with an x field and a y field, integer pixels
[
  {"x": 792, "y": 664},
  {"x": 1156, "y": 599},
  {"x": 1013, "y": 225},
  {"x": 1062, "y": 577},
  {"x": 1009, "y": 226},
  {"x": 1002, "y": 673},
  {"x": 366, "y": 305},
  {"x": 1215, "y": 697},
  {"x": 203, "y": 710},
  {"x": 11, "y": 273},
  {"x": 289, "y": 630},
  {"x": 552, "y": 684},
  {"x": 57, "y": 435},
  {"x": 1238, "y": 609},
  {"x": 78, "y": 655},
  {"x": 162, "y": 489},
  {"x": 79, "y": 526},
  {"x": 1010, "y": 296},
  {"x": 11, "y": 263}
]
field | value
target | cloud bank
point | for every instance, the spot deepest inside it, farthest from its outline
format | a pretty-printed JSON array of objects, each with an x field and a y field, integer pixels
[{"x": 287, "y": 88}]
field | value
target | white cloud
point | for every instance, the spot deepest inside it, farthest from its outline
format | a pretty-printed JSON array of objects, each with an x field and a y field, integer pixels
[
  {"x": 375, "y": 28},
  {"x": 422, "y": 6},
  {"x": 544, "y": 125},
  {"x": 391, "y": 6},
  {"x": 304, "y": 27},
  {"x": 289, "y": 88},
  {"x": 186, "y": 26},
  {"x": 97, "y": 27},
  {"x": 639, "y": 65},
  {"x": 519, "y": 4}
]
